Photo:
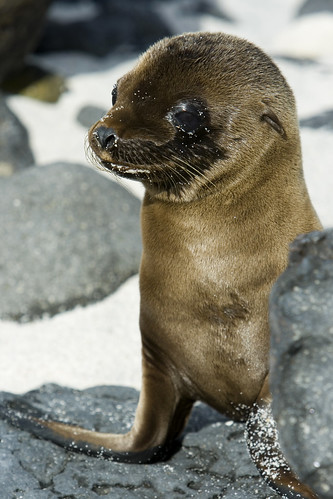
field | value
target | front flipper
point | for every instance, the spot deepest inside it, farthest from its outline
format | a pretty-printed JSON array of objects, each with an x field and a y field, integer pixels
[
  {"x": 265, "y": 451},
  {"x": 26, "y": 417},
  {"x": 159, "y": 418}
]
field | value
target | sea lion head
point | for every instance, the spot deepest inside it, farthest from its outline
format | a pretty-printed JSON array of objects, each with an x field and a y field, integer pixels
[{"x": 197, "y": 112}]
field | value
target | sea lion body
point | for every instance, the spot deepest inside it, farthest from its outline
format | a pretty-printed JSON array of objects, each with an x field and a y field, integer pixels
[
  {"x": 205, "y": 277},
  {"x": 208, "y": 124}
]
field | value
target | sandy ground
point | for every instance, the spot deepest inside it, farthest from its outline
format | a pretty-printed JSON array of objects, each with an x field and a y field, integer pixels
[{"x": 100, "y": 344}]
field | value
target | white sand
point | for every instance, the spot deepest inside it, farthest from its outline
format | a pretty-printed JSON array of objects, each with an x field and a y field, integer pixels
[{"x": 100, "y": 344}]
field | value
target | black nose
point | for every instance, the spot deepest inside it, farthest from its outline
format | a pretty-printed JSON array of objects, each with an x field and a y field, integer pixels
[{"x": 105, "y": 136}]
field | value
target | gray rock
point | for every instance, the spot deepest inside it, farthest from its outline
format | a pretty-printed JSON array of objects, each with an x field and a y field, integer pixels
[
  {"x": 35, "y": 82},
  {"x": 21, "y": 23},
  {"x": 212, "y": 462},
  {"x": 301, "y": 316},
  {"x": 88, "y": 115},
  {"x": 322, "y": 120},
  {"x": 69, "y": 237},
  {"x": 205, "y": 7},
  {"x": 102, "y": 27},
  {"x": 111, "y": 26},
  {"x": 314, "y": 6},
  {"x": 15, "y": 152}
]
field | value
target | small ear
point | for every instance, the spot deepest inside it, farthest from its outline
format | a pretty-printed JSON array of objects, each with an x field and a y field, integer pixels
[{"x": 274, "y": 122}]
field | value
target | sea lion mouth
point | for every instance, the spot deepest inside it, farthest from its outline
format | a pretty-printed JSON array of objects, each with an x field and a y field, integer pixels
[{"x": 136, "y": 172}]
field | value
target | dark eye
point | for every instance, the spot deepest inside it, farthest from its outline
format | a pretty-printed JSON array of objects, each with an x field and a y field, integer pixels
[
  {"x": 188, "y": 117},
  {"x": 114, "y": 94},
  {"x": 186, "y": 121}
]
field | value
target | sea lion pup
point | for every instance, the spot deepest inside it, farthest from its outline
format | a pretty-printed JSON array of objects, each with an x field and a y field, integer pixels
[{"x": 208, "y": 124}]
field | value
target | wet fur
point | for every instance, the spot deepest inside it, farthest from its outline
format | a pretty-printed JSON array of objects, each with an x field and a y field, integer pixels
[{"x": 222, "y": 204}]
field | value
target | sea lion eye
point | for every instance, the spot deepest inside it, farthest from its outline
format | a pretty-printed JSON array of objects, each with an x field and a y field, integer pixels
[
  {"x": 114, "y": 94},
  {"x": 188, "y": 117},
  {"x": 186, "y": 121}
]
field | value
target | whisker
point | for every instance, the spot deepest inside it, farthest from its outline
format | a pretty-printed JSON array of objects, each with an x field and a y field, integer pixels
[
  {"x": 194, "y": 171},
  {"x": 171, "y": 167}
]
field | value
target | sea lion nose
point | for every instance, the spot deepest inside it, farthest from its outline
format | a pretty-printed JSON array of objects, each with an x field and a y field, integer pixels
[{"x": 105, "y": 136}]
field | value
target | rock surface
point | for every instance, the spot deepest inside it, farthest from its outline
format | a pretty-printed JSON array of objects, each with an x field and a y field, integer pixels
[
  {"x": 69, "y": 236},
  {"x": 302, "y": 353},
  {"x": 106, "y": 26},
  {"x": 15, "y": 152},
  {"x": 101, "y": 27},
  {"x": 322, "y": 120},
  {"x": 212, "y": 462},
  {"x": 314, "y": 6},
  {"x": 21, "y": 23},
  {"x": 88, "y": 115},
  {"x": 35, "y": 82}
]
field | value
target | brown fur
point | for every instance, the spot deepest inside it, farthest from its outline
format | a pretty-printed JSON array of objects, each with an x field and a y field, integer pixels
[{"x": 221, "y": 206}]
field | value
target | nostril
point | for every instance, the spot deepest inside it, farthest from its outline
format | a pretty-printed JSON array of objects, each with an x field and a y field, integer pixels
[{"x": 105, "y": 136}]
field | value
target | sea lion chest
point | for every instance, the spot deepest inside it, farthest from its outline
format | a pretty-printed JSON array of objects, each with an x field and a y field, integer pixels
[{"x": 198, "y": 311}]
